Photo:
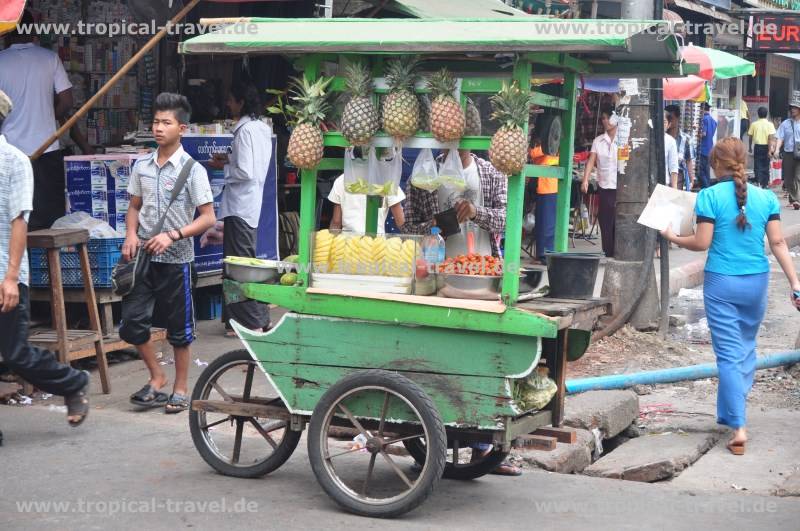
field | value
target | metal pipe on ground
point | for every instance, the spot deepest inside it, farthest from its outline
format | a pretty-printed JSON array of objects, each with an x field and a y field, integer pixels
[{"x": 674, "y": 374}]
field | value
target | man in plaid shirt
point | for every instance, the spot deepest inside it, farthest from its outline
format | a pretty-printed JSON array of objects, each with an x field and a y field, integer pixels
[{"x": 421, "y": 205}]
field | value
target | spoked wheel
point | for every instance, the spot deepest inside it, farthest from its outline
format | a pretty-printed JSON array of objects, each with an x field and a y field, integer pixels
[
  {"x": 241, "y": 444},
  {"x": 371, "y": 475},
  {"x": 463, "y": 462}
]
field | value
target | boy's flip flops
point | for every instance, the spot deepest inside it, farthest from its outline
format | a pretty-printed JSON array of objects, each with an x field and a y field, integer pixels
[{"x": 148, "y": 397}]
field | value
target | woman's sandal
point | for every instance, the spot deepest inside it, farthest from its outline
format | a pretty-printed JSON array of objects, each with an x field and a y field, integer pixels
[
  {"x": 176, "y": 403},
  {"x": 78, "y": 404},
  {"x": 736, "y": 448},
  {"x": 148, "y": 397}
]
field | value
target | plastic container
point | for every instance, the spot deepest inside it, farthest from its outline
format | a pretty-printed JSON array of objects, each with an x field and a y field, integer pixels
[
  {"x": 572, "y": 275},
  {"x": 433, "y": 247}
]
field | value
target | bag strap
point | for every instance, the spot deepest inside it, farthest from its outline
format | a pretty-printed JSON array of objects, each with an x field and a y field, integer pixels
[{"x": 176, "y": 190}]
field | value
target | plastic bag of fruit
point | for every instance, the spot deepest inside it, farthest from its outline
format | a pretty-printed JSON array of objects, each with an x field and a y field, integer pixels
[
  {"x": 425, "y": 175},
  {"x": 385, "y": 172},
  {"x": 451, "y": 173},
  {"x": 356, "y": 173}
]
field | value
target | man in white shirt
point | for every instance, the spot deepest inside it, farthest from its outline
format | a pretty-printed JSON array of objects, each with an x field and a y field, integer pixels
[
  {"x": 670, "y": 157},
  {"x": 350, "y": 210},
  {"x": 240, "y": 210},
  {"x": 603, "y": 156},
  {"x": 35, "y": 80}
]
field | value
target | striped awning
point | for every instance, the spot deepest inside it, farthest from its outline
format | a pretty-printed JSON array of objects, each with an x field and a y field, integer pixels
[{"x": 10, "y": 13}]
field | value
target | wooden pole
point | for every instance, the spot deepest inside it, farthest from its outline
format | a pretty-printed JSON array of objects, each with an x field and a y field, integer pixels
[{"x": 111, "y": 82}]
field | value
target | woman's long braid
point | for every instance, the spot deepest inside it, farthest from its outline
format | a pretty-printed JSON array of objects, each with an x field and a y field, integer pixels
[{"x": 730, "y": 155}]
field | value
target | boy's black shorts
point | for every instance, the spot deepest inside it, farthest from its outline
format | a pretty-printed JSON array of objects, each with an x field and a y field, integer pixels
[{"x": 170, "y": 287}]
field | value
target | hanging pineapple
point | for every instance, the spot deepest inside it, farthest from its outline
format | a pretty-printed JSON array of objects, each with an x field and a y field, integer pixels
[
  {"x": 360, "y": 117},
  {"x": 473, "y": 124},
  {"x": 307, "y": 113},
  {"x": 509, "y": 148},
  {"x": 447, "y": 116},
  {"x": 401, "y": 108}
]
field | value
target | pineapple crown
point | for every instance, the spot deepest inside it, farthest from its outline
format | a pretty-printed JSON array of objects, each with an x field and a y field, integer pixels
[
  {"x": 310, "y": 101},
  {"x": 510, "y": 106},
  {"x": 401, "y": 73},
  {"x": 357, "y": 79},
  {"x": 442, "y": 84}
]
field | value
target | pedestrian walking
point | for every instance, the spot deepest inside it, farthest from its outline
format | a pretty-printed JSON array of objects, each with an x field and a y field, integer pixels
[
  {"x": 603, "y": 156},
  {"x": 762, "y": 139},
  {"x": 708, "y": 128},
  {"x": 240, "y": 210},
  {"x": 168, "y": 278},
  {"x": 732, "y": 219},
  {"x": 38, "y": 367},
  {"x": 686, "y": 156},
  {"x": 788, "y": 136}
]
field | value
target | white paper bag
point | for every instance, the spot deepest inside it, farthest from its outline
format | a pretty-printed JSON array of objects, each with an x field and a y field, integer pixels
[{"x": 668, "y": 206}]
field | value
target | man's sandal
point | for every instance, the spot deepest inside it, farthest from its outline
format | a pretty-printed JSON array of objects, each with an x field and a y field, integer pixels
[
  {"x": 148, "y": 397},
  {"x": 176, "y": 403},
  {"x": 78, "y": 404}
]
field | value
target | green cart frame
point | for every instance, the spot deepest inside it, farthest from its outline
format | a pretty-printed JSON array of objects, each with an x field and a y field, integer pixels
[{"x": 430, "y": 375}]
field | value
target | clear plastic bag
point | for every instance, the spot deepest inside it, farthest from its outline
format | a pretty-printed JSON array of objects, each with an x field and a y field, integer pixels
[
  {"x": 451, "y": 174},
  {"x": 425, "y": 174},
  {"x": 535, "y": 391},
  {"x": 385, "y": 172},
  {"x": 356, "y": 173}
]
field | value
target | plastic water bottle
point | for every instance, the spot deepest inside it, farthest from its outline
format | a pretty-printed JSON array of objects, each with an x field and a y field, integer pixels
[{"x": 433, "y": 248}]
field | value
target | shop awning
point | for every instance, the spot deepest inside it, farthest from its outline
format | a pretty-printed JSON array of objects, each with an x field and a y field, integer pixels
[
  {"x": 10, "y": 13},
  {"x": 703, "y": 10},
  {"x": 686, "y": 88},
  {"x": 634, "y": 42},
  {"x": 716, "y": 64}
]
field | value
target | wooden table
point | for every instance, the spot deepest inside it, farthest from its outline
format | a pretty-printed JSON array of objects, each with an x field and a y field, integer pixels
[
  {"x": 106, "y": 297},
  {"x": 573, "y": 315}
]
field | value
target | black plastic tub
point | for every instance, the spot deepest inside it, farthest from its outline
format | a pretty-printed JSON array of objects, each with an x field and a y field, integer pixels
[{"x": 572, "y": 275}]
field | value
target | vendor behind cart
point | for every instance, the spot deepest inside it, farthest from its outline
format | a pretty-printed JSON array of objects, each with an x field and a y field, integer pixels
[{"x": 482, "y": 207}]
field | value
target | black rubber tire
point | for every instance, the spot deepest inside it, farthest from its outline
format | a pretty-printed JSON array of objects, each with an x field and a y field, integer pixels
[
  {"x": 549, "y": 128},
  {"x": 428, "y": 415},
  {"x": 475, "y": 470},
  {"x": 279, "y": 456}
]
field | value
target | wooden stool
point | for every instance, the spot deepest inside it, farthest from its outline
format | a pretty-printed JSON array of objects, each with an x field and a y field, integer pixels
[{"x": 70, "y": 345}]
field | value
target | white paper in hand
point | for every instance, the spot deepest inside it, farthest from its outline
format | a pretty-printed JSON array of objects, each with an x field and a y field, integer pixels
[{"x": 670, "y": 207}]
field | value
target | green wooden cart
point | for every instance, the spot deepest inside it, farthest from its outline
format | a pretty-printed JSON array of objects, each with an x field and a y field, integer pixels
[{"x": 400, "y": 375}]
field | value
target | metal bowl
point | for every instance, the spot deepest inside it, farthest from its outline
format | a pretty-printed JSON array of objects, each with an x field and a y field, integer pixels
[
  {"x": 270, "y": 272},
  {"x": 482, "y": 287},
  {"x": 530, "y": 277}
]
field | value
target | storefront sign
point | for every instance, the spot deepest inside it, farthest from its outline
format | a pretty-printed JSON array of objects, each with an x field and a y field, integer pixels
[{"x": 775, "y": 33}]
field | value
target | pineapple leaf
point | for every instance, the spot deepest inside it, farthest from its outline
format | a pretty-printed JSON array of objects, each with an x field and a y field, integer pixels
[
  {"x": 510, "y": 106},
  {"x": 441, "y": 83},
  {"x": 401, "y": 73}
]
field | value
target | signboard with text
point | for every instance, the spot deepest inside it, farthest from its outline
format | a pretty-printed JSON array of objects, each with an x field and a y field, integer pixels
[{"x": 775, "y": 33}]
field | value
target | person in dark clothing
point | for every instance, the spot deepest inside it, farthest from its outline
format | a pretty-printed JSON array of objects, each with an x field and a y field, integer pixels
[{"x": 37, "y": 366}]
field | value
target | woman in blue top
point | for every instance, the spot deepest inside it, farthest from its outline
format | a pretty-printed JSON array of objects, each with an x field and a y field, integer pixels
[{"x": 732, "y": 219}]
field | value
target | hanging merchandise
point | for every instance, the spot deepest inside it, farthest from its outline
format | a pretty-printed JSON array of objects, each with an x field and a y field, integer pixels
[
  {"x": 451, "y": 174},
  {"x": 385, "y": 172},
  {"x": 424, "y": 175},
  {"x": 356, "y": 172}
]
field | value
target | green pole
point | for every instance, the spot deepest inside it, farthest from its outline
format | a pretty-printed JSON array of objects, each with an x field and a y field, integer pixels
[
  {"x": 308, "y": 195},
  {"x": 516, "y": 195},
  {"x": 373, "y": 204},
  {"x": 565, "y": 152}
]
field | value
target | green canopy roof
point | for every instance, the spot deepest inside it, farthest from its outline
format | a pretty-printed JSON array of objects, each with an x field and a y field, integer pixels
[
  {"x": 448, "y": 8},
  {"x": 629, "y": 41}
]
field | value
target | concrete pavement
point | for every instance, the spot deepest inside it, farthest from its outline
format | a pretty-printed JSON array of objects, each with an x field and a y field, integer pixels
[{"x": 146, "y": 462}]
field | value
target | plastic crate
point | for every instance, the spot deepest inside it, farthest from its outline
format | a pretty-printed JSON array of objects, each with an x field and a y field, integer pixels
[
  {"x": 208, "y": 306},
  {"x": 103, "y": 256}
]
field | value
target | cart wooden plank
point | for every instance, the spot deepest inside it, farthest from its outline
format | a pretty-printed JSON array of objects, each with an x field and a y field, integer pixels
[{"x": 441, "y": 302}]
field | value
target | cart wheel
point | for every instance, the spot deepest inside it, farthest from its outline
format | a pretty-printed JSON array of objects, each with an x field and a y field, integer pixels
[
  {"x": 244, "y": 447},
  {"x": 371, "y": 476},
  {"x": 472, "y": 467}
]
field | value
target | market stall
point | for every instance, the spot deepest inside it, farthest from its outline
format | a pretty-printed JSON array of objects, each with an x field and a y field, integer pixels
[{"x": 392, "y": 361}]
